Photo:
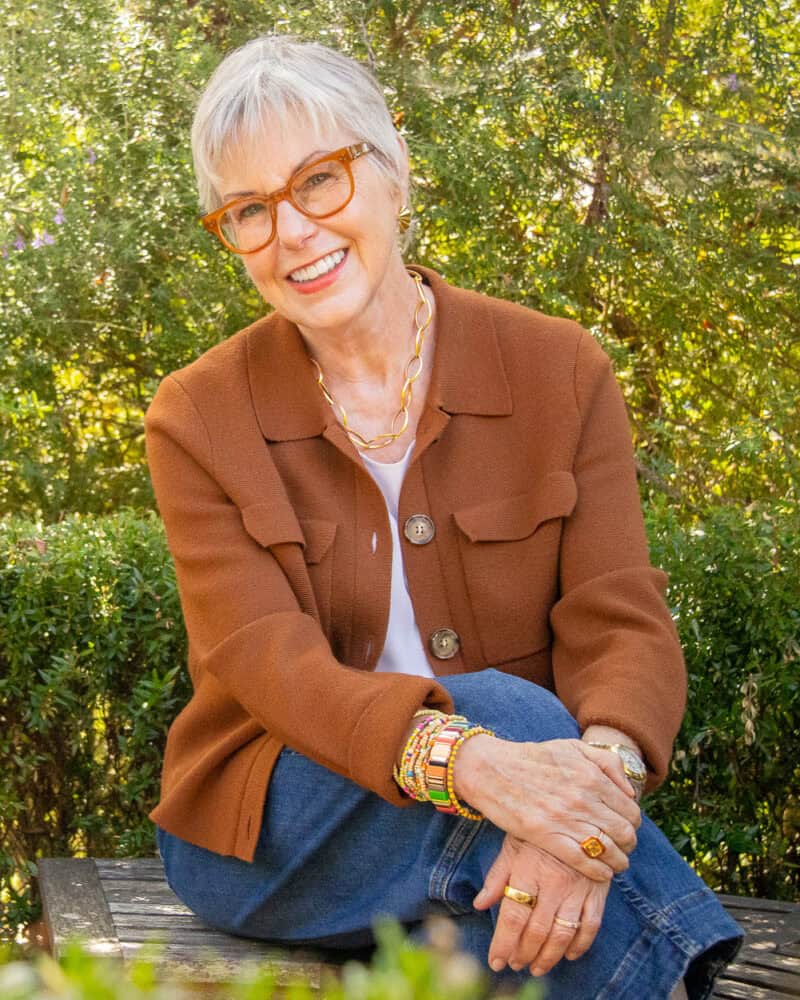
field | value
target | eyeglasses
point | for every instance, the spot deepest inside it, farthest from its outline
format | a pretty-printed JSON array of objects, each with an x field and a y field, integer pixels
[{"x": 318, "y": 190}]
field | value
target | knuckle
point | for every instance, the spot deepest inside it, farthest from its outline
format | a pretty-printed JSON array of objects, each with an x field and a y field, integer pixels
[
  {"x": 515, "y": 919},
  {"x": 536, "y": 931},
  {"x": 591, "y": 924}
]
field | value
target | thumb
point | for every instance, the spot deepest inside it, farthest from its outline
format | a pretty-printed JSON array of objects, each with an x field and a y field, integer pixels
[{"x": 494, "y": 883}]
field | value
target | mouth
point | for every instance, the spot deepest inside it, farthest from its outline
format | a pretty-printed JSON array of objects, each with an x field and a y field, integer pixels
[{"x": 326, "y": 264}]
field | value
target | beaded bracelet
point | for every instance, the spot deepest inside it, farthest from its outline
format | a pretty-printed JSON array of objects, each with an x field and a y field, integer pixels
[
  {"x": 441, "y": 769},
  {"x": 431, "y": 720},
  {"x": 458, "y": 806},
  {"x": 438, "y": 758}
]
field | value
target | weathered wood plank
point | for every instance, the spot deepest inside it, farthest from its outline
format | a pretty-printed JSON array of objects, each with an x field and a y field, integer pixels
[
  {"x": 725, "y": 990},
  {"x": 757, "y": 905},
  {"x": 760, "y": 976},
  {"x": 75, "y": 906},
  {"x": 165, "y": 908},
  {"x": 121, "y": 891},
  {"x": 197, "y": 968},
  {"x": 124, "y": 904}
]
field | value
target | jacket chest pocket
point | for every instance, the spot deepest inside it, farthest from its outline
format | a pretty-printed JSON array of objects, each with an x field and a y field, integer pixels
[
  {"x": 310, "y": 576},
  {"x": 510, "y": 554},
  {"x": 318, "y": 552}
]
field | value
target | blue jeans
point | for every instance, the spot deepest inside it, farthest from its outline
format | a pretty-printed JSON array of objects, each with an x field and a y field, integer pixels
[{"x": 331, "y": 857}]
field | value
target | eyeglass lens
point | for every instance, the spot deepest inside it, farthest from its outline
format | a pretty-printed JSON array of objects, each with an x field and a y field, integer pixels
[{"x": 318, "y": 190}]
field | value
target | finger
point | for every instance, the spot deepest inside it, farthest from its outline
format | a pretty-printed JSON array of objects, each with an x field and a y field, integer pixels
[
  {"x": 564, "y": 926},
  {"x": 611, "y": 765},
  {"x": 620, "y": 831},
  {"x": 602, "y": 868},
  {"x": 494, "y": 883},
  {"x": 591, "y": 918},
  {"x": 536, "y": 932},
  {"x": 512, "y": 920},
  {"x": 598, "y": 841},
  {"x": 614, "y": 789}
]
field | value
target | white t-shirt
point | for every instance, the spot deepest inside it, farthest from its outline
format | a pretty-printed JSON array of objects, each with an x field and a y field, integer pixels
[{"x": 403, "y": 652}]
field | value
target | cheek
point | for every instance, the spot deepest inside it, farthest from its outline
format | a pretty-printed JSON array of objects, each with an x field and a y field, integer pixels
[{"x": 259, "y": 270}]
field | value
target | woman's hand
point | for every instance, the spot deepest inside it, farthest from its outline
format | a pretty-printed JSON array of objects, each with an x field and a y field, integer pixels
[
  {"x": 553, "y": 795},
  {"x": 532, "y": 936}
]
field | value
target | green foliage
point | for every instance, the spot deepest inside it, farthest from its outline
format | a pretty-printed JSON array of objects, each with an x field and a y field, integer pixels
[
  {"x": 399, "y": 971},
  {"x": 92, "y": 653},
  {"x": 92, "y": 671},
  {"x": 632, "y": 165},
  {"x": 731, "y": 804}
]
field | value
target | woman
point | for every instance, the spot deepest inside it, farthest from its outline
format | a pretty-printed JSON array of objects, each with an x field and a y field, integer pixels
[{"x": 413, "y": 569}]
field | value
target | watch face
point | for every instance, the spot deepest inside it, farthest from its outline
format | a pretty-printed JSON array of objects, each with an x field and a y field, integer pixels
[{"x": 634, "y": 768}]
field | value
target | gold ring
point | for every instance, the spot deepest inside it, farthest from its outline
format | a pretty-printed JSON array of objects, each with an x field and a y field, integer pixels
[
  {"x": 593, "y": 847},
  {"x": 519, "y": 896},
  {"x": 574, "y": 924}
]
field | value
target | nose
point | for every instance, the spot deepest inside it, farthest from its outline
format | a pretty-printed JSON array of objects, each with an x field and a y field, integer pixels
[{"x": 292, "y": 228}]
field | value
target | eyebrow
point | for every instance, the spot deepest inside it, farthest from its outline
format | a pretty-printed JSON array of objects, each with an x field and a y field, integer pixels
[{"x": 307, "y": 159}]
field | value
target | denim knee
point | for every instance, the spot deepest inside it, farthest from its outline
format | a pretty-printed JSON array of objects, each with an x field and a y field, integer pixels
[{"x": 516, "y": 709}]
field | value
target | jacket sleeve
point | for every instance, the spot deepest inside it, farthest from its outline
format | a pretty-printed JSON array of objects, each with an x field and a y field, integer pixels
[
  {"x": 617, "y": 660},
  {"x": 247, "y": 629}
]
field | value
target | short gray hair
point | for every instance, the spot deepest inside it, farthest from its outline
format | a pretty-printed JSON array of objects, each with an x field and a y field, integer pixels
[{"x": 286, "y": 77}]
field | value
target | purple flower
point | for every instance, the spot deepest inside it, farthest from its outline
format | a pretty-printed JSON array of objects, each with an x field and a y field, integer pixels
[
  {"x": 732, "y": 82},
  {"x": 91, "y": 156},
  {"x": 37, "y": 242},
  {"x": 58, "y": 218},
  {"x": 19, "y": 243},
  {"x": 47, "y": 238}
]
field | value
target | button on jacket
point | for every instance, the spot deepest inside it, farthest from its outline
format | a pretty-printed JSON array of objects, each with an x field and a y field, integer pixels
[{"x": 538, "y": 564}]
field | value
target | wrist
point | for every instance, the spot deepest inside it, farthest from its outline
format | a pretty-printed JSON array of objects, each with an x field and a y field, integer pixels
[
  {"x": 609, "y": 734},
  {"x": 470, "y": 766}
]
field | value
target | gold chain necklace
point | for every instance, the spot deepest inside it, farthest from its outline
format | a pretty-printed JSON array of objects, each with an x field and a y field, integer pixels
[{"x": 412, "y": 373}]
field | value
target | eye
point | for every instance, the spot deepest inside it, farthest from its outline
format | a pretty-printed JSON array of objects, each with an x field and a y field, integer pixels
[
  {"x": 317, "y": 179},
  {"x": 248, "y": 211}
]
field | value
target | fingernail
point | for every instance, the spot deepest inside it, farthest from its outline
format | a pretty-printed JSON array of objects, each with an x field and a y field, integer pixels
[
  {"x": 514, "y": 966},
  {"x": 537, "y": 971},
  {"x": 497, "y": 964},
  {"x": 482, "y": 895}
]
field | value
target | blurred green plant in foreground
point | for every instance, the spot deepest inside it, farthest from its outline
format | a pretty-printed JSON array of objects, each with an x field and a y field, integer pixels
[{"x": 400, "y": 970}]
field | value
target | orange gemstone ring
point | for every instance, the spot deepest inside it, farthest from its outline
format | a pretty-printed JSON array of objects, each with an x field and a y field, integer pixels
[{"x": 593, "y": 847}]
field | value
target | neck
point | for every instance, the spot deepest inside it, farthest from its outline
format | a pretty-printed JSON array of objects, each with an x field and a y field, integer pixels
[{"x": 376, "y": 347}]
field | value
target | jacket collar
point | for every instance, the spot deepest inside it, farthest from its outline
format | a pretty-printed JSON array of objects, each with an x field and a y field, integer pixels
[{"x": 468, "y": 374}]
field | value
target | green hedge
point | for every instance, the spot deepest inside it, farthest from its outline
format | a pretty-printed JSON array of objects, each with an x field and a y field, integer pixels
[
  {"x": 92, "y": 649},
  {"x": 91, "y": 672},
  {"x": 731, "y": 804}
]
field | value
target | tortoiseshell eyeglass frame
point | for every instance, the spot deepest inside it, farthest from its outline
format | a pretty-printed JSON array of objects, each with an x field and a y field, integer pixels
[{"x": 213, "y": 220}]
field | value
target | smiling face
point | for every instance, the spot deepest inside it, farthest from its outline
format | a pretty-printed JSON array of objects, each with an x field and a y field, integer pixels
[{"x": 322, "y": 274}]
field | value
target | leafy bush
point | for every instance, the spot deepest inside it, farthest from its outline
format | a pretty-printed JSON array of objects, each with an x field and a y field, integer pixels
[
  {"x": 399, "y": 971},
  {"x": 731, "y": 803},
  {"x": 633, "y": 168},
  {"x": 92, "y": 654}
]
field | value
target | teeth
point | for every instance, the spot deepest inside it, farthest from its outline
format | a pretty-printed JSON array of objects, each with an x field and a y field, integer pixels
[{"x": 319, "y": 267}]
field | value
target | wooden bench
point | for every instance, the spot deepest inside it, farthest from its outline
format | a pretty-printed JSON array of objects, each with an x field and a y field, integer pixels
[{"x": 118, "y": 905}]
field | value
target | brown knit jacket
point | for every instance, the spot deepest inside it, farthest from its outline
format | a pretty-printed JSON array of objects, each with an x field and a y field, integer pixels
[{"x": 539, "y": 561}]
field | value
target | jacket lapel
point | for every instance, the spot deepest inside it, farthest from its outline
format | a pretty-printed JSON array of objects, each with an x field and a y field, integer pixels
[{"x": 468, "y": 374}]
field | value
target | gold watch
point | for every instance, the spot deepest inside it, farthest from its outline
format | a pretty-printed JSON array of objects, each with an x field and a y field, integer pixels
[{"x": 632, "y": 764}]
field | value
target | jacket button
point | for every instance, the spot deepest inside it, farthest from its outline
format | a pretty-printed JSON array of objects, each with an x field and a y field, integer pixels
[
  {"x": 419, "y": 529},
  {"x": 444, "y": 643}
]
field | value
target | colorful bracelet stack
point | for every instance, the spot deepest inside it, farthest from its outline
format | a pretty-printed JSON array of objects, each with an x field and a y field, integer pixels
[{"x": 428, "y": 760}]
